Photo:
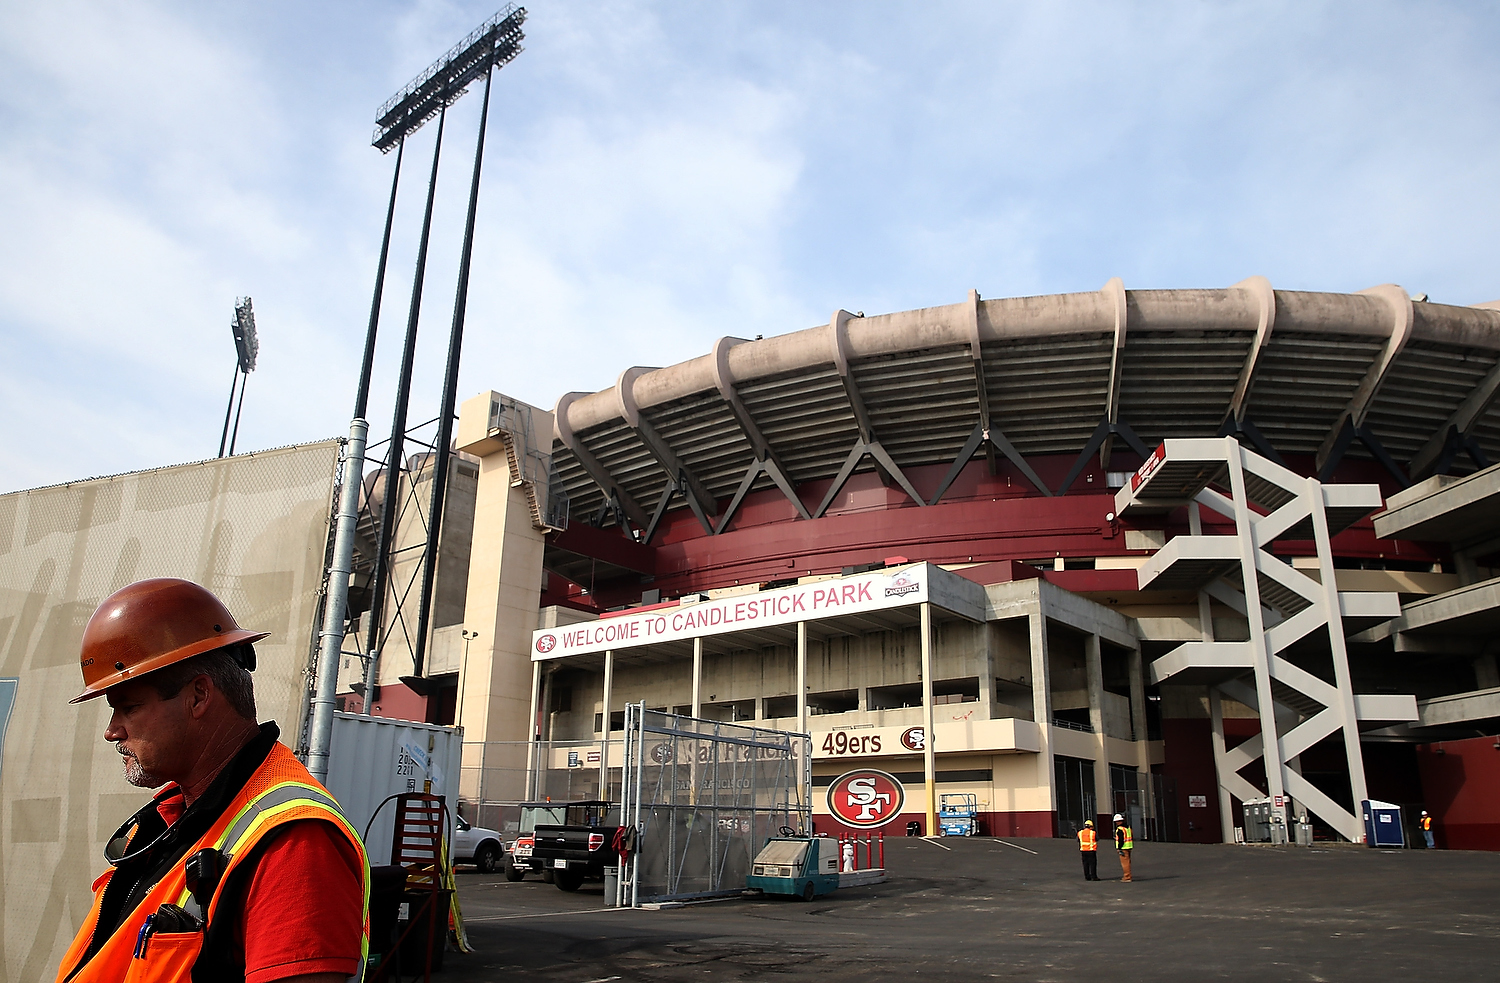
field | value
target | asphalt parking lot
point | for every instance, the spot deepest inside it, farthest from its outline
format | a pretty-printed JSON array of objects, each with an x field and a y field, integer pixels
[{"x": 981, "y": 909}]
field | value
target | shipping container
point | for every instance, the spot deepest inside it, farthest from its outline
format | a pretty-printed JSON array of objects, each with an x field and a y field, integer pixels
[{"x": 373, "y": 758}]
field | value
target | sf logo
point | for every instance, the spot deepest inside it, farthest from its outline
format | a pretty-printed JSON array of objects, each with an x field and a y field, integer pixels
[
  {"x": 915, "y": 738},
  {"x": 863, "y": 797}
]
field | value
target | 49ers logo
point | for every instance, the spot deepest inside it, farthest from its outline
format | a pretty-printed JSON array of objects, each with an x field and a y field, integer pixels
[
  {"x": 546, "y": 643},
  {"x": 866, "y": 798}
]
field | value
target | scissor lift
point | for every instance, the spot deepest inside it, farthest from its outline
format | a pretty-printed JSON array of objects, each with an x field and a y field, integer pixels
[{"x": 958, "y": 814}]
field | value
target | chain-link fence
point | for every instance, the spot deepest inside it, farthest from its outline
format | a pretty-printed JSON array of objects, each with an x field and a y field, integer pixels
[
  {"x": 498, "y": 776},
  {"x": 703, "y": 796}
]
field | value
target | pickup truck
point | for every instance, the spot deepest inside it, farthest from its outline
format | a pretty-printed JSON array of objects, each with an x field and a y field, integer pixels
[
  {"x": 577, "y": 850},
  {"x": 518, "y": 858},
  {"x": 476, "y": 845}
]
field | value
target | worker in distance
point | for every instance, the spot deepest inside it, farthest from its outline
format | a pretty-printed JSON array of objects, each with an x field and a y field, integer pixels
[
  {"x": 241, "y": 867},
  {"x": 1124, "y": 845},
  {"x": 1088, "y": 850}
]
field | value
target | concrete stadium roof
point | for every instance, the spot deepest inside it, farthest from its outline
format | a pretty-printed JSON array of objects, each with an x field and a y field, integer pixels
[{"x": 1309, "y": 371}]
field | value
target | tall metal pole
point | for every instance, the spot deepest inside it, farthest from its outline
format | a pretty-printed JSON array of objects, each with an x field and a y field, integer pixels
[
  {"x": 233, "y": 382},
  {"x": 362, "y": 394},
  {"x": 335, "y": 611},
  {"x": 398, "y": 436},
  {"x": 235, "y": 435},
  {"x": 331, "y": 638},
  {"x": 450, "y": 395}
]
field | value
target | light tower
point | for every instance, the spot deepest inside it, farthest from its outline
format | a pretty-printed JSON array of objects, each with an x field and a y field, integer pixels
[
  {"x": 493, "y": 44},
  {"x": 246, "y": 347}
]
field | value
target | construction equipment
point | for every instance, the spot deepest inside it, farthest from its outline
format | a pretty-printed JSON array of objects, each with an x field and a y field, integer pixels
[{"x": 958, "y": 814}]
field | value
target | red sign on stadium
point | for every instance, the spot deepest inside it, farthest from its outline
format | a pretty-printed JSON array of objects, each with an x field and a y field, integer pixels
[{"x": 866, "y": 798}]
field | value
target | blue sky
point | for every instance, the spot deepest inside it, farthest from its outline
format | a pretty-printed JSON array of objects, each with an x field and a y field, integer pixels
[{"x": 661, "y": 174}]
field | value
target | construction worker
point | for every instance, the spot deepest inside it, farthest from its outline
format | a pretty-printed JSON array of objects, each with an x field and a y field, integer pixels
[
  {"x": 1124, "y": 845},
  {"x": 241, "y": 867},
  {"x": 1427, "y": 830},
  {"x": 1088, "y": 848}
]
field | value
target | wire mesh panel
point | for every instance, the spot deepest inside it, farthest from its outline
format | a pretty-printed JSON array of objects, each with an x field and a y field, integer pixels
[
  {"x": 498, "y": 776},
  {"x": 704, "y": 795}
]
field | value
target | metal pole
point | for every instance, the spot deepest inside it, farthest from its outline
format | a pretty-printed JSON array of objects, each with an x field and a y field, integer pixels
[
  {"x": 336, "y": 603},
  {"x": 450, "y": 394},
  {"x": 398, "y": 436},
  {"x": 609, "y": 683},
  {"x": 235, "y": 435},
  {"x": 929, "y": 756},
  {"x": 362, "y": 394},
  {"x": 698, "y": 677},
  {"x": 640, "y": 766},
  {"x": 233, "y": 382},
  {"x": 534, "y": 734},
  {"x": 802, "y": 677}
]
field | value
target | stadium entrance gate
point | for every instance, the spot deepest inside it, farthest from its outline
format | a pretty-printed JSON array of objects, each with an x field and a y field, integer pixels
[{"x": 703, "y": 796}]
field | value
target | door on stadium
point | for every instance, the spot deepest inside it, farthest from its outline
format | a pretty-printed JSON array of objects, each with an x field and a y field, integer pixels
[{"x": 1074, "y": 782}]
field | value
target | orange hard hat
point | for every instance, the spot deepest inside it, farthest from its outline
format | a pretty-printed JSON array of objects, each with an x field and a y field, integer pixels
[{"x": 151, "y": 624}]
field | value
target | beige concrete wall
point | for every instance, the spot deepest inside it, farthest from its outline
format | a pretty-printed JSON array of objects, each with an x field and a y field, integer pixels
[
  {"x": 501, "y": 604},
  {"x": 253, "y": 528}
]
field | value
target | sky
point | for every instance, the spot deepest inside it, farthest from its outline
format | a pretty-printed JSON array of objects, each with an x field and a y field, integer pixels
[{"x": 658, "y": 175}]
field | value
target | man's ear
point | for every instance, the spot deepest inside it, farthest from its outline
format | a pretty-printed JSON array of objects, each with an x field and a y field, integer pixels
[{"x": 199, "y": 691}]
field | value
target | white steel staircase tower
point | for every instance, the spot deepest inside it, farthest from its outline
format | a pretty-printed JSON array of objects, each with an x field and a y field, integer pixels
[{"x": 1298, "y": 705}]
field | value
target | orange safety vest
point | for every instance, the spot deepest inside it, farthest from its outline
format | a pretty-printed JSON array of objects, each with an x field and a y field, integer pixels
[
  {"x": 280, "y": 791},
  {"x": 1088, "y": 839},
  {"x": 1426, "y": 823}
]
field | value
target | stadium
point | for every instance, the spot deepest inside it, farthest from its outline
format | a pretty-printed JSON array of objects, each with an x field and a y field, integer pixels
[{"x": 1073, "y": 636}]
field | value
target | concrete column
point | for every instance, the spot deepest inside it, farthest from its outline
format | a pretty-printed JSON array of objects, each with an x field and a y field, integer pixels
[
  {"x": 1041, "y": 706},
  {"x": 986, "y": 658},
  {"x": 698, "y": 677},
  {"x": 1255, "y": 614},
  {"x": 1094, "y": 668},
  {"x": 1353, "y": 756},
  {"x": 1138, "y": 726},
  {"x": 532, "y": 764},
  {"x": 929, "y": 749},
  {"x": 609, "y": 686},
  {"x": 1216, "y": 717},
  {"x": 802, "y": 677},
  {"x": 1486, "y": 670},
  {"x": 504, "y": 589}
]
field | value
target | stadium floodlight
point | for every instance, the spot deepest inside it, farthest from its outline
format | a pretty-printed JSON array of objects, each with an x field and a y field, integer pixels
[
  {"x": 494, "y": 43},
  {"x": 246, "y": 348},
  {"x": 245, "y": 341}
]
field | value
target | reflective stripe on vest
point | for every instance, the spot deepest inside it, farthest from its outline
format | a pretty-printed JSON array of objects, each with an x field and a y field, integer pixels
[
  {"x": 265, "y": 809},
  {"x": 1088, "y": 839},
  {"x": 1129, "y": 843},
  {"x": 279, "y": 791}
]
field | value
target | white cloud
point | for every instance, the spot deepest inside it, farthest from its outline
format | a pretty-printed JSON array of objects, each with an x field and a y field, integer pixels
[{"x": 658, "y": 175}]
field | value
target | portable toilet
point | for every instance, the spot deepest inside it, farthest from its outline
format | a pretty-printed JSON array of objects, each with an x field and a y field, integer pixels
[
  {"x": 1383, "y": 824},
  {"x": 1258, "y": 813},
  {"x": 801, "y": 866}
]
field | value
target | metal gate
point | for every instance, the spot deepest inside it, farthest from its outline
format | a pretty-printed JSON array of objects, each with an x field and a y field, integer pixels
[{"x": 703, "y": 796}]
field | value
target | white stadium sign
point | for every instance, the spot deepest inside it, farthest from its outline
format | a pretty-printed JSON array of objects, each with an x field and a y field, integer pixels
[{"x": 740, "y": 612}]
